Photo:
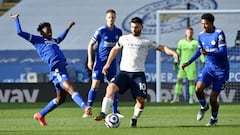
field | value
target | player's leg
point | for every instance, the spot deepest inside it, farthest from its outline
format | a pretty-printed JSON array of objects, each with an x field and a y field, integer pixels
[
  {"x": 191, "y": 91},
  {"x": 69, "y": 87},
  {"x": 119, "y": 84},
  {"x": 138, "y": 109},
  {"x": 178, "y": 88},
  {"x": 218, "y": 85},
  {"x": 92, "y": 94},
  {"x": 191, "y": 75},
  {"x": 139, "y": 92},
  {"x": 61, "y": 96},
  {"x": 96, "y": 80},
  {"x": 203, "y": 82},
  {"x": 107, "y": 101},
  {"x": 181, "y": 74},
  {"x": 111, "y": 74},
  {"x": 61, "y": 76}
]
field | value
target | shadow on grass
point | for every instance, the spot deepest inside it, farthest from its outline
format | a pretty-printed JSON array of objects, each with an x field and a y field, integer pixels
[{"x": 191, "y": 126}]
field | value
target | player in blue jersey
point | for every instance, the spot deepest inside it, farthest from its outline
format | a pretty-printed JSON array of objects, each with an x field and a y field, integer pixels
[
  {"x": 212, "y": 44},
  {"x": 48, "y": 49},
  {"x": 106, "y": 36}
]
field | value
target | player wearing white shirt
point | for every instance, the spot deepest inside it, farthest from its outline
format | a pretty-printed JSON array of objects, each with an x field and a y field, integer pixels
[
  {"x": 134, "y": 53},
  {"x": 132, "y": 71}
]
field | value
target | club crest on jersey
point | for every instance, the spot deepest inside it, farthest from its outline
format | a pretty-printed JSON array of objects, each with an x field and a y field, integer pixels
[
  {"x": 170, "y": 23},
  {"x": 213, "y": 42}
]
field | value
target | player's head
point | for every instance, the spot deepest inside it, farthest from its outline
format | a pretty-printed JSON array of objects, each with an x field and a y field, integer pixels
[
  {"x": 136, "y": 26},
  {"x": 189, "y": 32},
  {"x": 110, "y": 17},
  {"x": 207, "y": 21},
  {"x": 45, "y": 30}
]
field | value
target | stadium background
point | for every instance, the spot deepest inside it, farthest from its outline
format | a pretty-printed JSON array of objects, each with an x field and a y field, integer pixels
[{"x": 24, "y": 77}]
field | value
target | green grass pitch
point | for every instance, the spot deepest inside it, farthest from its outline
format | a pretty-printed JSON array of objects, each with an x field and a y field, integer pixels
[{"x": 157, "y": 119}]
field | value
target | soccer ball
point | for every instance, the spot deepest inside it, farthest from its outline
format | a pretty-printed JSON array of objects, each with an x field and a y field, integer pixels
[{"x": 112, "y": 121}]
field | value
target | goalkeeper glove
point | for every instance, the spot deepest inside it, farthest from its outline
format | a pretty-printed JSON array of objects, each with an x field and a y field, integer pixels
[{"x": 175, "y": 67}]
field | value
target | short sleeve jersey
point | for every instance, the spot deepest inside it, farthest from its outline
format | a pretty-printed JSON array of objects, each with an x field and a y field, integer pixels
[
  {"x": 134, "y": 52},
  {"x": 106, "y": 39}
]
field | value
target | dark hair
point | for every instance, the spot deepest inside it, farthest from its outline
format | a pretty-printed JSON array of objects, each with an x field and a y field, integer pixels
[
  {"x": 110, "y": 11},
  {"x": 42, "y": 25},
  {"x": 137, "y": 20},
  {"x": 189, "y": 28},
  {"x": 208, "y": 16}
]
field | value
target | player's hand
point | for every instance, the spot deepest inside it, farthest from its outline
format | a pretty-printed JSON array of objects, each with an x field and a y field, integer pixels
[
  {"x": 176, "y": 57},
  {"x": 14, "y": 16},
  {"x": 105, "y": 69},
  {"x": 70, "y": 24},
  {"x": 185, "y": 65},
  {"x": 203, "y": 51}
]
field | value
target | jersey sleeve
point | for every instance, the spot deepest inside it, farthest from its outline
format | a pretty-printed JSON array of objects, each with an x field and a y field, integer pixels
[
  {"x": 62, "y": 36},
  {"x": 97, "y": 35},
  {"x": 152, "y": 44},
  {"x": 222, "y": 48},
  {"x": 29, "y": 37},
  {"x": 119, "y": 43}
]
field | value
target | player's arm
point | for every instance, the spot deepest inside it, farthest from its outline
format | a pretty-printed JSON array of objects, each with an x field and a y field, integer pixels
[
  {"x": 62, "y": 36},
  {"x": 113, "y": 53},
  {"x": 168, "y": 51},
  {"x": 193, "y": 58},
  {"x": 22, "y": 34},
  {"x": 90, "y": 54}
]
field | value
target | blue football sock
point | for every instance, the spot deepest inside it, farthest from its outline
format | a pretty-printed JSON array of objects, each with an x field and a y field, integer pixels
[
  {"x": 91, "y": 96},
  {"x": 203, "y": 103},
  {"x": 115, "y": 103},
  {"x": 49, "y": 107},
  {"x": 78, "y": 100}
]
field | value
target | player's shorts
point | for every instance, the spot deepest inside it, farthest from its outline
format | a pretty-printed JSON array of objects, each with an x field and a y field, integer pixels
[
  {"x": 97, "y": 71},
  {"x": 190, "y": 73},
  {"x": 58, "y": 76},
  {"x": 135, "y": 81},
  {"x": 218, "y": 79}
]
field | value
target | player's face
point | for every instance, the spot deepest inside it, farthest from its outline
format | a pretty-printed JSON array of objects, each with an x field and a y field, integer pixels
[
  {"x": 189, "y": 34},
  {"x": 136, "y": 29},
  {"x": 207, "y": 26},
  {"x": 47, "y": 32},
  {"x": 110, "y": 18}
]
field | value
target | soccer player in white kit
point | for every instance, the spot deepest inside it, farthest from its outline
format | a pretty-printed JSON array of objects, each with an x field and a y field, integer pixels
[{"x": 132, "y": 69}]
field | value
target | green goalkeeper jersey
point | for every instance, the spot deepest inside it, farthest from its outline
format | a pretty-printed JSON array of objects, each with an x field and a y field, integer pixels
[{"x": 186, "y": 49}]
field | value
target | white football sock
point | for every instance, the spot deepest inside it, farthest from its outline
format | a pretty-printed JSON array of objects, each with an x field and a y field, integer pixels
[
  {"x": 106, "y": 104},
  {"x": 137, "y": 112}
]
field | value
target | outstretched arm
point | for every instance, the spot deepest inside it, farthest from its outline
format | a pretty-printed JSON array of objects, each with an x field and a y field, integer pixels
[
  {"x": 24, "y": 35},
  {"x": 62, "y": 36},
  {"x": 168, "y": 51},
  {"x": 194, "y": 57}
]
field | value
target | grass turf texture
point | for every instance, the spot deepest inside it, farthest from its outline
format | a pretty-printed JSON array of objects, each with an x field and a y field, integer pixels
[{"x": 157, "y": 119}]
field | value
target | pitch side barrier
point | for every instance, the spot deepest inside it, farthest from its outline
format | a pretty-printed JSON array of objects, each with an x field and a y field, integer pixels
[{"x": 42, "y": 92}]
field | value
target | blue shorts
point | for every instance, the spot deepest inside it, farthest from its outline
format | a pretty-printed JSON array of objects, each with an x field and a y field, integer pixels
[
  {"x": 97, "y": 71},
  {"x": 135, "y": 81},
  {"x": 58, "y": 77},
  {"x": 217, "y": 78}
]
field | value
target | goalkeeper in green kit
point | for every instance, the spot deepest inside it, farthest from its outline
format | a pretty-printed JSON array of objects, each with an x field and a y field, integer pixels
[{"x": 186, "y": 48}]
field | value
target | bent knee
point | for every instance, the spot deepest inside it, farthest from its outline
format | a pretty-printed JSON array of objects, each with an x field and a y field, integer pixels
[{"x": 111, "y": 90}]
